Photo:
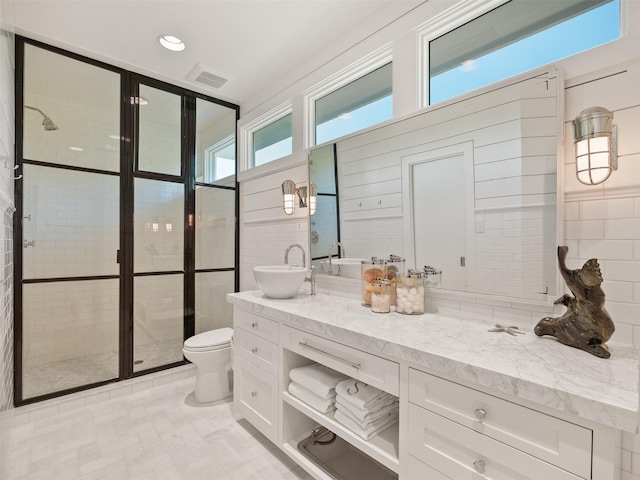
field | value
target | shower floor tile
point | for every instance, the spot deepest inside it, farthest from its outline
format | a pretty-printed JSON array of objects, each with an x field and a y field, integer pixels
[
  {"x": 78, "y": 371},
  {"x": 159, "y": 433}
]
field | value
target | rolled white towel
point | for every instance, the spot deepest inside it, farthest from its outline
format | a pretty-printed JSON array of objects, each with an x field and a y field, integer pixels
[
  {"x": 387, "y": 407},
  {"x": 320, "y": 379},
  {"x": 365, "y": 433},
  {"x": 307, "y": 396},
  {"x": 360, "y": 394}
]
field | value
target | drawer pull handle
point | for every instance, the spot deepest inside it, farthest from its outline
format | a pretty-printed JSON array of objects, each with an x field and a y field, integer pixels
[
  {"x": 480, "y": 413},
  {"x": 479, "y": 466},
  {"x": 254, "y": 325},
  {"x": 254, "y": 394},
  {"x": 254, "y": 350},
  {"x": 357, "y": 366}
]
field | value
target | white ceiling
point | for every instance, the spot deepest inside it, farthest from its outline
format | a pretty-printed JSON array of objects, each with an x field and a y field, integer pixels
[{"x": 259, "y": 45}]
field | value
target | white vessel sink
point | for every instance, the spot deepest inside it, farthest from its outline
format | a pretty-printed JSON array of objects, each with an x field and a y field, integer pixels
[
  {"x": 279, "y": 281},
  {"x": 349, "y": 267}
]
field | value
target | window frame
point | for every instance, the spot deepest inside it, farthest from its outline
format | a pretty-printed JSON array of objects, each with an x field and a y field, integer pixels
[
  {"x": 211, "y": 161},
  {"x": 461, "y": 14},
  {"x": 247, "y": 131},
  {"x": 353, "y": 72}
]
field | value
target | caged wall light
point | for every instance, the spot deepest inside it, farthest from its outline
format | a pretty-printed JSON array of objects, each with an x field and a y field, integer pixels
[
  {"x": 595, "y": 139},
  {"x": 289, "y": 194}
]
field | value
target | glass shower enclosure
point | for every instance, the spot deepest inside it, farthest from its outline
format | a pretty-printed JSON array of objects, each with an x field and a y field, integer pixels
[{"x": 125, "y": 220}]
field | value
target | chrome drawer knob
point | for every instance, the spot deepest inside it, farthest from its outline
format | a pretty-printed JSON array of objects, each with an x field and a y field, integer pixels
[
  {"x": 479, "y": 466},
  {"x": 254, "y": 394},
  {"x": 254, "y": 350},
  {"x": 480, "y": 413}
]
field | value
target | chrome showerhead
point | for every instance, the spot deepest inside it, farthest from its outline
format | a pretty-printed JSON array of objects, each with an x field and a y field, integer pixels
[{"x": 47, "y": 123}]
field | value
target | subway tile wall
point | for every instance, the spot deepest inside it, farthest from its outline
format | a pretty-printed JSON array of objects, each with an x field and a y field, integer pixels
[{"x": 7, "y": 135}]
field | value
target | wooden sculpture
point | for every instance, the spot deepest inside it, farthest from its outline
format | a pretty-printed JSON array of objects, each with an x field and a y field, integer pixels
[{"x": 586, "y": 324}]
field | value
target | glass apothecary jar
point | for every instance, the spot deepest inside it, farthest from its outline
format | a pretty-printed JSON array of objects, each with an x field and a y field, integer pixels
[
  {"x": 410, "y": 293},
  {"x": 395, "y": 267},
  {"x": 381, "y": 296},
  {"x": 432, "y": 277},
  {"x": 372, "y": 271}
]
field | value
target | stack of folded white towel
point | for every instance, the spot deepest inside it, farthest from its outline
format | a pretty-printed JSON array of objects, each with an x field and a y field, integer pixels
[
  {"x": 315, "y": 385},
  {"x": 363, "y": 409}
]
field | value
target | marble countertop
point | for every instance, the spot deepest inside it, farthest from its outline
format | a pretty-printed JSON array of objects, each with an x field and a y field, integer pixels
[{"x": 539, "y": 369}]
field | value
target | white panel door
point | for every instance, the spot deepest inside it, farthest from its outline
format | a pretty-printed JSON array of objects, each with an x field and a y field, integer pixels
[{"x": 439, "y": 206}]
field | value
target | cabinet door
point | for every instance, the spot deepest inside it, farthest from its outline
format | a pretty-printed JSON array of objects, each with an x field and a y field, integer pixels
[
  {"x": 256, "y": 397},
  {"x": 549, "y": 438},
  {"x": 461, "y": 453},
  {"x": 261, "y": 326},
  {"x": 257, "y": 350},
  {"x": 416, "y": 470}
]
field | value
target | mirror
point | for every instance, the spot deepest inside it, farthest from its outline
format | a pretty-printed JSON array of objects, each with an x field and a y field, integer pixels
[
  {"x": 469, "y": 187},
  {"x": 324, "y": 222}
]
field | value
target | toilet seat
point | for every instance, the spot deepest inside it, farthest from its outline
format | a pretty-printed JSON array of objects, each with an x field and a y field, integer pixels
[{"x": 209, "y": 341}]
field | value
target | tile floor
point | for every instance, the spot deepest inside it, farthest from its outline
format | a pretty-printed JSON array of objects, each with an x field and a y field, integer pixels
[{"x": 155, "y": 434}]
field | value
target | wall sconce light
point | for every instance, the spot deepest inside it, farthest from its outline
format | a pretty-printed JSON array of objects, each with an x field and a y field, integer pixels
[
  {"x": 595, "y": 139},
  {"x": 313, "y": 199},
  {"x": 289, "y": 192}
]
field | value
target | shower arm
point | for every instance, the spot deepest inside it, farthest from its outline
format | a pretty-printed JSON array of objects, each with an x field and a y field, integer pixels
[
  {"x": 46, "y": 121},
  {"x": 37, "y": 110}
]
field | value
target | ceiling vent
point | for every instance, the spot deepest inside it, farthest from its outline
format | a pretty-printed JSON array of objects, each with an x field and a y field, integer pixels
[{"x": 206, "y": 76}]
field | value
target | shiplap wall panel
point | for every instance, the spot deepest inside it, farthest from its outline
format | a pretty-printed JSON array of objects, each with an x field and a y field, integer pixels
[
  {"x": 515, "y": 138},
  {"x": 383, "y": 187},
  {"x": 261, "y": 198}
]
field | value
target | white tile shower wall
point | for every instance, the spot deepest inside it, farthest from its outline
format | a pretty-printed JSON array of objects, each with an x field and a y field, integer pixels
[
  {"x": 159, "y": 217},
  {"x": 69, "y": 319},
  {"x": 160, "y": 144},
  {"x": 215, "y": 232},
  {"x": 7, "y": 138},
  {"x": 73, "y": 219},
  {"x": 158, "y": 308}
]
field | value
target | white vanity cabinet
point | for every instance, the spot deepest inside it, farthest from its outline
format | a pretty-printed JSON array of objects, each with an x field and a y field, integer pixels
[
  {"x": 255, "y": 365},
  {"x": 459, "y": 431},
  {"x": 301, "y": 348},
  {"x": 450, "y": 426}
]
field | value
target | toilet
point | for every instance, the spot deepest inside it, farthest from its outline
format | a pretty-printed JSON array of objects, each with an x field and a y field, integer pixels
[{"x": 211, "y": 353}]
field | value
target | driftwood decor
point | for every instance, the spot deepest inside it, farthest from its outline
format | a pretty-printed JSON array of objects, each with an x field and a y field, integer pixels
[{"x": 586, "y": 324}]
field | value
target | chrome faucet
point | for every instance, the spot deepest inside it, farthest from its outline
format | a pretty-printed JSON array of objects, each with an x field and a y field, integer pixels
[
  {"x": 312, "y": 280},
  {"x": 286, "y": 254},
  {"x": 312, "y": 276},
  {"x": 343, "y": 251}
]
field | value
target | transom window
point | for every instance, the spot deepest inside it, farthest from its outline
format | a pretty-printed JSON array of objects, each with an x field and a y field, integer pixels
[
  {"x": 517, "y": 36},
  {"x": 273, "y": 141},
  {"x": 357, "y": 105},
  {"x": 220, "y": 160}
]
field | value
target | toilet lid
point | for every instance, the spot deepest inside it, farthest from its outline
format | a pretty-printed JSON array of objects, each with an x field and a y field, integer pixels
[{"x": 213, "y": 339}]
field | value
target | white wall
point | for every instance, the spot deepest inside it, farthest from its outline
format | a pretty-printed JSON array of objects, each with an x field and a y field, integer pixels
[
  {"x": 602, "y": 222},
  {"x": 7, "y": 135}
]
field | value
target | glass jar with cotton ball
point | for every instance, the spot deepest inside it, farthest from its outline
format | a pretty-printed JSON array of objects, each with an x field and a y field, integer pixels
[{"x": 410, "y": 293}]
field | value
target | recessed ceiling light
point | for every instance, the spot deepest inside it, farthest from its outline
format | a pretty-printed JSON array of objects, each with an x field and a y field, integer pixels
[
  {"x": 115, "y": 137},
  {"x": 76, "y": 149},
  {"x": 171, "y": 43}
]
